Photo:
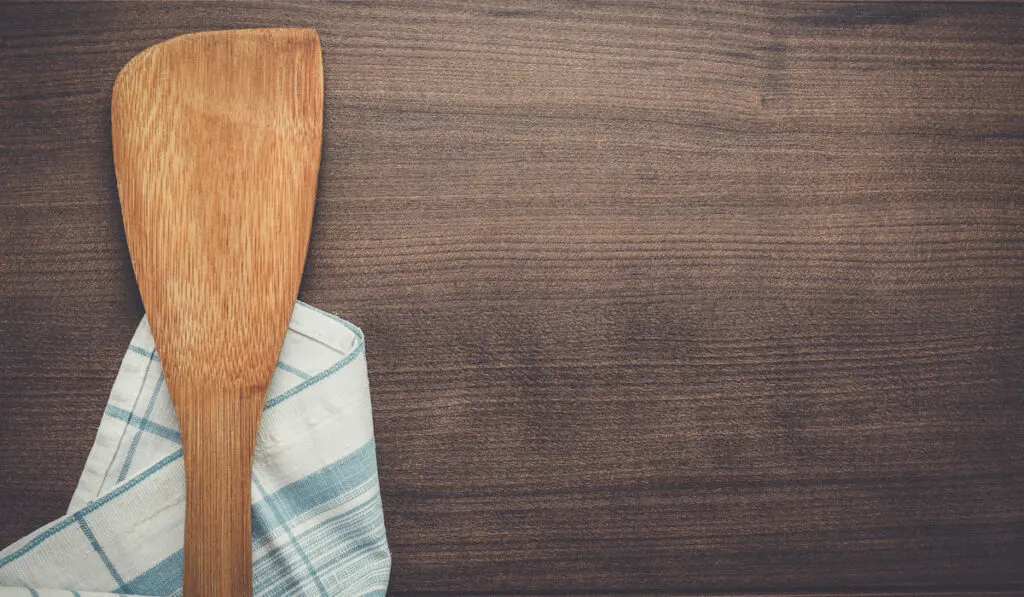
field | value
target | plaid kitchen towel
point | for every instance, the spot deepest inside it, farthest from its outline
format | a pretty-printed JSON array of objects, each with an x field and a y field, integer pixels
[{"x": 317, "y": 523}]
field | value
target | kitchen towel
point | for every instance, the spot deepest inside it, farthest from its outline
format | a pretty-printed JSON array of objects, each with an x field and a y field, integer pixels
[{"x": 317, "y": 522}]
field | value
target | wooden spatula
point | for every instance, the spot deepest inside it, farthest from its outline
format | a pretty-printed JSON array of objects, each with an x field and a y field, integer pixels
[{"x": 217, "y": 148}]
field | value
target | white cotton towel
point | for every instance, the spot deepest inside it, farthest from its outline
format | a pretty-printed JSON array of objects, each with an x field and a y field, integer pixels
[{"x": 317, "y": 522}]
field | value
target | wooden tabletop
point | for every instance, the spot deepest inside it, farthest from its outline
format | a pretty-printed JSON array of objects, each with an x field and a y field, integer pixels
[{"x": 659, "y": 297}]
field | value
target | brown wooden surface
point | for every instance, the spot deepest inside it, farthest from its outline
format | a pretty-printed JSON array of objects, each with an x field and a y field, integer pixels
[{"x": 658, "y": 297}]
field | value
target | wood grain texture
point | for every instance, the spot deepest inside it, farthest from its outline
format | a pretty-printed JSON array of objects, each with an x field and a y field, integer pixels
[
  {"x": 216, "y": 143},
  {"x": 659, "y": 297}
]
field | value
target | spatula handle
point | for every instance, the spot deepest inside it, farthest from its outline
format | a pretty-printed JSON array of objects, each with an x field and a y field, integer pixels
[{"x": 218, "y": 434}]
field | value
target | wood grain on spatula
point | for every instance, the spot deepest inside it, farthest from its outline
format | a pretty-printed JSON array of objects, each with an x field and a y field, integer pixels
[{"x": 217, "y": 141}]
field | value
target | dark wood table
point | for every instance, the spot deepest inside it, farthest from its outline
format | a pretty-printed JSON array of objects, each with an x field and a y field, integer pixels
[{"x": 659, "y": 297}]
